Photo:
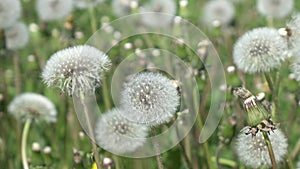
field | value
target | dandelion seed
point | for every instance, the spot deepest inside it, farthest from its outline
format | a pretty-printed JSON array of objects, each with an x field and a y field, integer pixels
[
  {"x": 123, "y": 7},
  {"x": 84, "y": 4},
  {"x": 253, "y": 151},
  {"x": 156, "y": 7},
  {"x": 49, "y": 10},
  {"x": 118, "y": 135},
  {"x": 275, "y": 8},
  {"x": 149, "y": 98},
  {"x": 31, "y": 105},
  {"x": 10, "y": 11},
  {"x": 260, "y": 50},
  {"x": 16, "y": 36},
  {"x": 76, "y": 70},
  {"x": 218, "y": 12}
]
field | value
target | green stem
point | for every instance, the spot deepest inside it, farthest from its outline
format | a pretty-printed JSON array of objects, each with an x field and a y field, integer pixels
[
  {"x": 24, "y": 142},
  {"x": 156, "y": 149},
  {"x": 205, "y": 145},
  {"x": 274, "y": 92},
  {"x": 226, "y": 162},
  {"x": 270, "y": 149},
  {"x": 16, "y": 61},
  {"x": 90, "y": 132}
]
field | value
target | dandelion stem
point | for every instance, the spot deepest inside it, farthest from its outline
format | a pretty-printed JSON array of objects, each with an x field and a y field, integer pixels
[
  {"x": 16, "y": 61},
  {"x": 270, "y": 149},
  {"x": 156, "y": 149},
  {"x": 90, "y": 132},
  {"x": 273, "y": 91},
  {"x": 24, "y": 142}
]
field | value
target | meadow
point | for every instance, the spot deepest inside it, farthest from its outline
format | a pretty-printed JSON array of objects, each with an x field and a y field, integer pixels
[{"x": 226, "y": 112}]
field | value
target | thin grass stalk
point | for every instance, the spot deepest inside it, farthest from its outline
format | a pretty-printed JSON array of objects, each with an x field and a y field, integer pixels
[{"x": 156, "y": 149}]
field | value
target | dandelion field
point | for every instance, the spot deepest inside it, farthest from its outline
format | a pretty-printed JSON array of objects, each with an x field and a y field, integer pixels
[{"x": 84, "y": 84}]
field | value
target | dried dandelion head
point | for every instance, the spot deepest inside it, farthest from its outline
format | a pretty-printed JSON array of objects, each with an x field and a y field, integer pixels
[
  {"x": 76, "y": 70},
  {"x": 115, "y": 133},
  {"x": 149, "y": 98},
  {"x": 260, "y": 50},
  {"x": 31, "y": 105}
]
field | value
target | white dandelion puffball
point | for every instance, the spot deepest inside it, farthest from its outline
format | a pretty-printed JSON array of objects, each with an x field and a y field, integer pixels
[
  {"x": 293, "y": 27},
  {"x": 275, "y": 8},
  {"x": 116, "y": 134},
  {"x": 123, "y": 7},
  {"x": 298, "y": 165},
  {"x": 167, "y": 7},
  {"x": 49, "y": 10},
  {"x": 296, "y": 68},
  {"x": 76, "y": 70},
  {"x": 31, "y": 105},
  {"x": 84, "y": 4},
  {"x": 253, "y": 151},
  {"x": 10, "y": 11},
  {"x": 260, "y": 50},
  {"x": 218, "y": 12},
  {"x": 149, "y": 98},
  {"x": 17, "y": 36}
]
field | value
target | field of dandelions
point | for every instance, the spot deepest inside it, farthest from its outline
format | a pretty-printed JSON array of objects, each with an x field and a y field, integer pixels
[{"x": 50, "y": 76}]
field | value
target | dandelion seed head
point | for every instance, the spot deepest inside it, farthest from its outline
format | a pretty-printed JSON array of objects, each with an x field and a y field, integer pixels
[
  {"x": 31, "y": 105},
  {"x": 259, "y": 50},
  {"x": 76, "y": 70},
  {"x": 275, "y": 8},
  {"x": 218, "y": 12},
  {"x": 10, "y": 12},
  {"x": 116, "y": 134},
  {"x": 149, "y": 98},
  {"x": 295, "y": 67},
  {"x": 154, "y": 19},
  {"x": 293, "y": 27},
  {"x": 49, "y": 10},
  {"x": 16, "y": 36},
  {"x": 84, "y": 4},
  {"x": 123, "y": 7},
  {"x": 253, "y": 151}
]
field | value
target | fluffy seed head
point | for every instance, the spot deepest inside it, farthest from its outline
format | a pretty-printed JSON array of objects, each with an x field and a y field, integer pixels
[
  {"x": 218, "y": 12},
  {"x": 76, "y": 70},
  {"x": 253, "y": 151},
  {"x": 149, "y": 98},
  {"x": 16, "y": 36},
  {"x": 49, "y": 10},
  {"x": 293, "y": 33},
  {"x": 158, "y": 6},
  {"x": 275, "y": 8},
  {"x": 296, "y": 68},
  {"x": 31, "y": 105},
  {"x": 260, "y": 50},
  {"x": 10, "y": 11},
  {"x": 123, "y": 7},
  {"x": 116, "y": 134}
]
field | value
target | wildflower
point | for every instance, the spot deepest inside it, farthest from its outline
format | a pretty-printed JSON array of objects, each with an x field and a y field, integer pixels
[
  {"x": 76, "y": 70},
  {"x": 149, "y": 98},
  {"x": 275, "y": 8},
  {"x": 260, "y": 50},
  {"x": 292, "y": 33},
  {"x": 10, "y": 11},
  {"x": 116, "y": 134},
  {"x": 218, "y": 12},
  {"x": 49, "y": 10},
  {"x": 123, "y": 7},
  {"x": 296, "y": 68},
  {"x": 16, "y": 36},
  {"x": 154, "y": 16},
  {"x": 84, "y": 4},
  {"x": 253, "y": 151},
  {"x": 31, "y": 105}
]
